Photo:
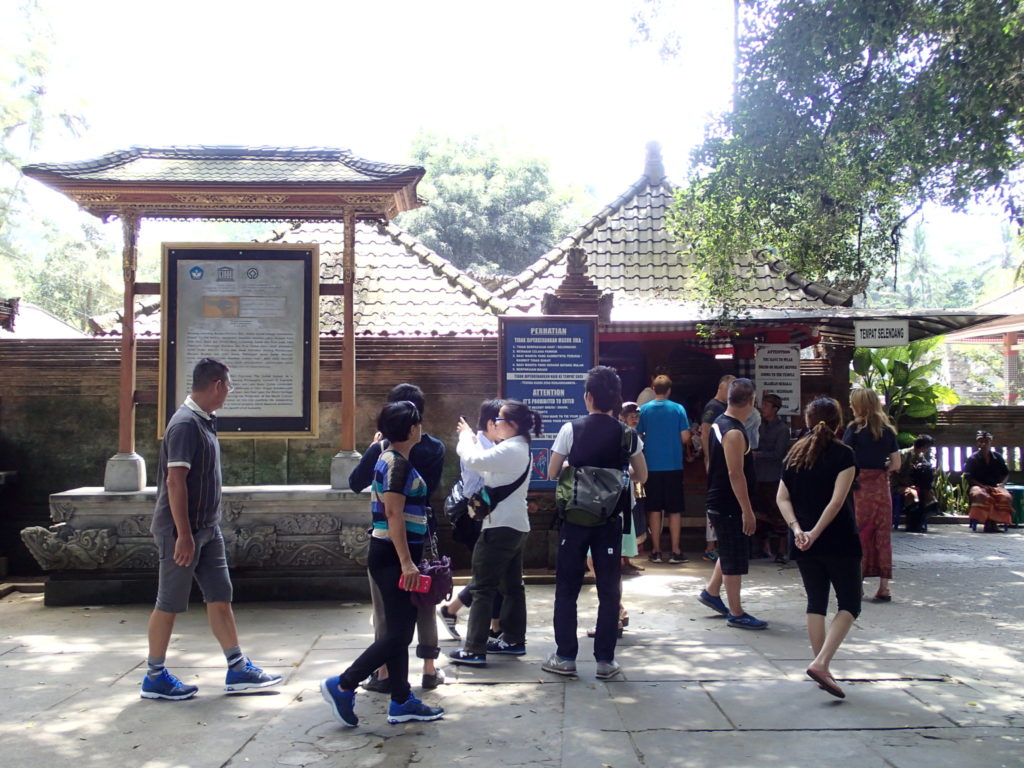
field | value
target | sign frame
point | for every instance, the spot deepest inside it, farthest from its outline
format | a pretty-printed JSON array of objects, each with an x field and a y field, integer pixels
[
  {"x": 589, "y": 355},
  {"x": 306, "y": 347},
  {"x": 881, "y": 333},
  {"x": 791, "y": 395}
]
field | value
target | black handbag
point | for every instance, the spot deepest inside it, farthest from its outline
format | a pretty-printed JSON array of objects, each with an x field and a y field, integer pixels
[
  {"x": 483, "y": 502},
  {"x": 455, "y": 504}
]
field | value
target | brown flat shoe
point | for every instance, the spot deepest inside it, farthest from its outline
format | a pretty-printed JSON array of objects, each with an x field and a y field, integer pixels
[{"x": 826, "y": 683}]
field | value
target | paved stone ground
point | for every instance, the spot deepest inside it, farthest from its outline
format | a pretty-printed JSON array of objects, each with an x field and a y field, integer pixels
[{"x": 933, "y": 679}]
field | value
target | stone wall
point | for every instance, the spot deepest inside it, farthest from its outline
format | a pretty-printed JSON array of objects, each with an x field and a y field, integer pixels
[{"x": 58, "y": 417}]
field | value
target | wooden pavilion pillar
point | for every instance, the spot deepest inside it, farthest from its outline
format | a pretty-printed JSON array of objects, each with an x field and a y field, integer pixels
[
  {"x": 347, "y": 457},
  {"x": 1011, "y": 369},
  {"x": 126, "y": 470}
]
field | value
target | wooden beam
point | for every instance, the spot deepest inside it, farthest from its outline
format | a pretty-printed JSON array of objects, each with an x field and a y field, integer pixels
[
  {"x": 348, "y": 359},
  {"x": 126, "y": 398}
]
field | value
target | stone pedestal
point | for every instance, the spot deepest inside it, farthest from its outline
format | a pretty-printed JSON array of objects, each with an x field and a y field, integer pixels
[
  {"x": 298, "y": 541},
  {"x": 342, "y": 465},
  {"x": 126, "y": 472}
]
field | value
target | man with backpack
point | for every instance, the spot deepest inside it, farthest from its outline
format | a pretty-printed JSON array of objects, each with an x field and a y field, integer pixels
[{"x": 589, "y": 457}]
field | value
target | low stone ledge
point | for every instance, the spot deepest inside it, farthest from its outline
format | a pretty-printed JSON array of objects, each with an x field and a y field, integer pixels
[{"x": 306, "y": 534}]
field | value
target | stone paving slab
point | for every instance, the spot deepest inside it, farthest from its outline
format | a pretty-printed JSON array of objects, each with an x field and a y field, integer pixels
[
  {"x": 949, "y": 748},
  {"x": 39, "y": 682},
  {"x": 306, "y": 733},
  {"x": 782, "y": 705},
  {"x": 764, "y": 750},
  {"x": 967, "y": 705},
  {"x": 870, "y": 668},
  {"x": 668, "y": 706},
  {"x": 720, "y": 662},
  {"x": 119, "y": 728}
]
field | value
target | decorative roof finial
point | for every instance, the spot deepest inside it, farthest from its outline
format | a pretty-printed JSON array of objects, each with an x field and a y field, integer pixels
[{"x": 654, "y": 168}]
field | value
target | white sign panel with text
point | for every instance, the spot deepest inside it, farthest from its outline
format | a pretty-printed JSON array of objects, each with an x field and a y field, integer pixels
[
  {"x": 777, "y": 371},
  {"x": 881, "y": 333}
]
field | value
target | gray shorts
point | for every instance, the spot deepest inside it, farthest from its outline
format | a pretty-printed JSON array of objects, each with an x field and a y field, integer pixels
[{"x": 209, "y": 568}]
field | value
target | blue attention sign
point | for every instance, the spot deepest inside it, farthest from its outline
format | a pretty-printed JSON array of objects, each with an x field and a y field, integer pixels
[{"x": 546, "y": 360}]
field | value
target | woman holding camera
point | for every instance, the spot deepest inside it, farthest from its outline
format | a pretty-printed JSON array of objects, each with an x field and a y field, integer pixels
[{"x": 498, "y": 553}]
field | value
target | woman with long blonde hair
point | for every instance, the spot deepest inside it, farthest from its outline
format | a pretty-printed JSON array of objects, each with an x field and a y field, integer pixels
[
  {"x": 814, "y": 499},
  {"x": 873, "y": 438}
]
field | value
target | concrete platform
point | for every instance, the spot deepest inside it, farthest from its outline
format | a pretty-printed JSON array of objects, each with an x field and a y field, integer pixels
[{"x": 934, "y": 679}]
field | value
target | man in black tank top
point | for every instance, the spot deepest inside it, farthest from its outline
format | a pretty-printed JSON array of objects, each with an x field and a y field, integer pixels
[
  {"x": 596, "y": 440},
  {"x": 731, "y": 478}
]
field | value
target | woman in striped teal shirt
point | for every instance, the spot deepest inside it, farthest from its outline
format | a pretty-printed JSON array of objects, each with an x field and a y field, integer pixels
[{"x": 398, "y": 501}]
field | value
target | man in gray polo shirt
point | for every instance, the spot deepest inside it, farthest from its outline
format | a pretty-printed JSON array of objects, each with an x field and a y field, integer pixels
[{"x": 187, "y": 533}]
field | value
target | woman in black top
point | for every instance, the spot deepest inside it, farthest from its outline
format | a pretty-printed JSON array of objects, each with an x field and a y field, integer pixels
[
  {"x": 873, "y": 438},
  {"x": 814, "y": 498}
]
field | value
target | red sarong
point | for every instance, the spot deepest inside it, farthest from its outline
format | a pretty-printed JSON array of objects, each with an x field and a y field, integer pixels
[
  {"x": 990, "y": 504},
  {"x": 873, "y": 503}
]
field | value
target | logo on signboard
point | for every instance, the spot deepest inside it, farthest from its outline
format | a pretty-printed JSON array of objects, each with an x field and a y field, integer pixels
[
  {"x": 226, "y": 275},
  {"x": 196, "y": 273},
  {"x": 252, "y": 273}
]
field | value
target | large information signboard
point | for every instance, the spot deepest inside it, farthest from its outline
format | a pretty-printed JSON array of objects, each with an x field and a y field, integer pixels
[
  {"x": 544, "y": 363},
  {"x": 255, "y": 308}
]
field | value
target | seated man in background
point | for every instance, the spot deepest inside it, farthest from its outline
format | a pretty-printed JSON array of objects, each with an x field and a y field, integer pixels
[
  {"x": 986, "y": 471},
  {"x": 913, "y": 485}
]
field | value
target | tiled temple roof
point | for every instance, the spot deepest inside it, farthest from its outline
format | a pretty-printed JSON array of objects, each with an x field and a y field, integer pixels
[
  {"x": 631, "y": 255},
  {"x": 402, "y": 288}
]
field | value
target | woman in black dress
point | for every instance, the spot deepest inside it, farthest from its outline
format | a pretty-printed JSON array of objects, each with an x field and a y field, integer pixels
[{"x": 814, "y": 498}]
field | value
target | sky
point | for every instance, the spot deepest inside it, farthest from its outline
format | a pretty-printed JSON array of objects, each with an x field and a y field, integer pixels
[
  {"x": 559, "y": 79},
  {"x": 565, "y": 80}
]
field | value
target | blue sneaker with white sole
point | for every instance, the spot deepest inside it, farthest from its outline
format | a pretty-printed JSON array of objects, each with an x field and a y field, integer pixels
[
  {"x": 248, "y": 678},
  {"x": 714, "y": 602},
  {"x": 167, "y": 686},
  {"x": 342, "y": 703},
  {"x": 745, "y": 621},
  {"x": 413, "y": 709}
]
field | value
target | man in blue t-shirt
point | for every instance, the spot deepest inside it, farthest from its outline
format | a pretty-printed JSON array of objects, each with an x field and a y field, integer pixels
[{"x": 665, "y": 430}]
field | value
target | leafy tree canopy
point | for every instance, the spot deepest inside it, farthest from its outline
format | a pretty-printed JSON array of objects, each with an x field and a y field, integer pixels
[
  {"x": 847, "y": 117},
  {"x": 486, "y": 210},
  {"x": 56, "y": 270}
]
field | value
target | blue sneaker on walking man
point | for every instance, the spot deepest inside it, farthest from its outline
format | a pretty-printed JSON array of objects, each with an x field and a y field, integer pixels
[{"x": 187, "y": 533}]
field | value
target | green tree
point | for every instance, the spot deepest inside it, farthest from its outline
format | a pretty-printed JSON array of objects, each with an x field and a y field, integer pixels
[
  {"x": 77, "y": 278},
  {"x": 27, "y": 114},
  {"x": 486, "y": 210},
  {"x": 846, "y": 118},
  {"x": 920, "y": 282}
]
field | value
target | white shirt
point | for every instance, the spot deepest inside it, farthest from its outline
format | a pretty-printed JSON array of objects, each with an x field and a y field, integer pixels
[
  {"x": 563, "y": 441},
  {"x": 471, "y": 479},
  {"x": 500, "y": 465}
]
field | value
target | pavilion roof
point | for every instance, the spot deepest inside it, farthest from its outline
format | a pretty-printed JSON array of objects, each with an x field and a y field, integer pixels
[{"x": 234, "y": 182}]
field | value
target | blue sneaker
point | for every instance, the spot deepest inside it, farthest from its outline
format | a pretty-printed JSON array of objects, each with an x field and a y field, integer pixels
[
  {"x": 413, "y": 709},
  {"x": 745, "y": 621},
  {"x": 462, "y": 656},
  {"x": 498, "y": 645},
  {"x": 714, "y": 602},
  {"x": 167, "y": 686},
  {"x": 248, "y": 677},
  {"x": 342, "y": 703}
]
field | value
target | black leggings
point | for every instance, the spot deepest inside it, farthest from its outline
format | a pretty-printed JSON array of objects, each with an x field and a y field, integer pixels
[
  {"x": 841, "y": 573},
  {"x": 393, "y": 647}
]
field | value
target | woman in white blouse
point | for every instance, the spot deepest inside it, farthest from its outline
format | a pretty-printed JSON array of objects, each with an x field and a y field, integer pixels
[{"x": 498, "y": 554}]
